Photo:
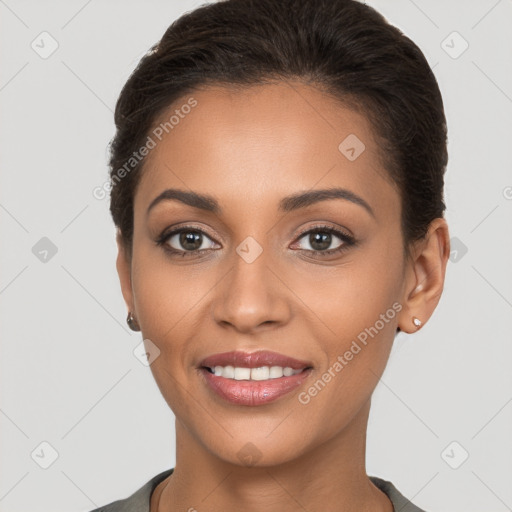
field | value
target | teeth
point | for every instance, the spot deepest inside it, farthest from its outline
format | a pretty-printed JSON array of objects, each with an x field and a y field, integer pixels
[
  {"x": 242, "y": 373},
  {"x": 261, "y": 373}
]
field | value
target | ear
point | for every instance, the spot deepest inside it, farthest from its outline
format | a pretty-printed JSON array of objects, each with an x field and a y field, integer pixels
[
  {"x": 123, "y": 265},
  {"x": 425, "y": 275}
]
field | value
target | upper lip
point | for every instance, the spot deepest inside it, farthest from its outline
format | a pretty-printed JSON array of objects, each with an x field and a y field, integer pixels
[{"x": 253, "y": 360}]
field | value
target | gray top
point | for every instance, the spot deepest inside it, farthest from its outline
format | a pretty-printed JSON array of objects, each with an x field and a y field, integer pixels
[{"x": 140, "y": 500}]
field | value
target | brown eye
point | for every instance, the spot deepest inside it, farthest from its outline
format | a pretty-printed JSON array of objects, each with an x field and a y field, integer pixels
[
  {"x": 320, "y": 241},
  {"x": 325, "y": 240},
  {"x": 189, "y": 240},
  {"x": 186, "y": 241}
]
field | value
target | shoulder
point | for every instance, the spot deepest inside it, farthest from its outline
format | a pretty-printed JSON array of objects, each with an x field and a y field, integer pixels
[
  {"x": 400, "y": 502},
  {"x": 139, "y": 501}
]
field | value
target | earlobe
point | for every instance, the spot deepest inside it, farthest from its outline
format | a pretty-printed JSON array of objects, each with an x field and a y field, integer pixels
[
  {"x": 425, "y": 281},
  {"x": 416, "y": 321}
]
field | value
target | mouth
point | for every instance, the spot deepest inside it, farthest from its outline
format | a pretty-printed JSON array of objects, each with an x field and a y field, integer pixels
[
  {"x": 259, "y": 373},
  {"x": 255, "y": 378},
  {"x": 241, "y": 359}
]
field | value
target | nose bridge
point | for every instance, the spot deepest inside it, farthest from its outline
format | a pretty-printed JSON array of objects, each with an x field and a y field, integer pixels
[
  {"x": 251, "y": 295},
  {"x": 250, "y": 264}
]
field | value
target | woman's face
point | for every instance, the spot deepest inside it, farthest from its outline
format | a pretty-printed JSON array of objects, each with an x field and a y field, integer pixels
[{"x": 245, "y": 278}]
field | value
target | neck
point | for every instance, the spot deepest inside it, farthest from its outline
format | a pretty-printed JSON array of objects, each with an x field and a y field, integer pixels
[{"x": 330, "y": 476}]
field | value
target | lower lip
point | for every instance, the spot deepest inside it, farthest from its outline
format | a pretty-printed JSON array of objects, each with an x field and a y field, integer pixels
[{"x": 254, "y": 392}]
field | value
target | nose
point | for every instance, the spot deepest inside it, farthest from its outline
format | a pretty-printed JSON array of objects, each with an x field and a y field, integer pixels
[{"x": 252, "y": 296}]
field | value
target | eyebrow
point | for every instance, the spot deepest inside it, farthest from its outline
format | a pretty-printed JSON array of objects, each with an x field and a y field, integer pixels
[{"x": 287, "y": 204}]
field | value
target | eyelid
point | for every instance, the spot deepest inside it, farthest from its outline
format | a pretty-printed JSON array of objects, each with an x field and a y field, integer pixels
[
  {"x": 162, "y": 241},
  {"x": 172, "y": 230},
  {"x": 327, "y": 227},
  {"x": 177, "y": 227},
  {"x": 347, "y": 239}
]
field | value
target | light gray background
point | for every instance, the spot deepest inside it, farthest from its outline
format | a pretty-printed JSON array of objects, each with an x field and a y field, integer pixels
[{"x": 68, "y": 374}]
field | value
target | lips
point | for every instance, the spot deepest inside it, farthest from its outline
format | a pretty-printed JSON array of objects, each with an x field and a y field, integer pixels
[
  {"x": 253, "y": 393},
  {"x": 256, "y": 391},
  {"x": 253, "y": 360}
]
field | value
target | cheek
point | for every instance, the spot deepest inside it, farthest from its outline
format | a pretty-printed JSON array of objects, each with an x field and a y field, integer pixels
[
  {"x": 353, "y": 310},
  {"x": 354, "y": 296},
  {"x": 166, "y": 294},
  {"x": 358, "y": 321},
  {"x": 165, "y": 298}
]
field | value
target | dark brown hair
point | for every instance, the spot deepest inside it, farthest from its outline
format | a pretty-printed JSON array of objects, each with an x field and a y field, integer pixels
[{"x": 344, "y": 47}]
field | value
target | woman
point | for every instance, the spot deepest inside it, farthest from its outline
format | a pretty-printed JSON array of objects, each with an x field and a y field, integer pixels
[{"x": 277, "y": 187}]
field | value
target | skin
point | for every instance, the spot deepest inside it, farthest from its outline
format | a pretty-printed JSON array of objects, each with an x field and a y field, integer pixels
[{"x": 249, "y": 148}]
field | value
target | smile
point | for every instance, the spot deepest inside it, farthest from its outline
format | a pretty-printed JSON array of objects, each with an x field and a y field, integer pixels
[{"x": 260, "y": 373}]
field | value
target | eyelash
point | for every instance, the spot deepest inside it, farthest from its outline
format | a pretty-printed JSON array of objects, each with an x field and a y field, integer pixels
[{"x": 348, "y": 240}]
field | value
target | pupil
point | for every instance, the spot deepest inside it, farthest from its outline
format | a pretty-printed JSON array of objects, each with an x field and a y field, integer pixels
[
  {"x": 190, "y": 237},
  {"x": 322, "y": 239},
  {"x": 192, "y": 240}
]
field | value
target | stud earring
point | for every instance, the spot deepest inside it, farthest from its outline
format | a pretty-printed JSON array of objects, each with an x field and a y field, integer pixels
[
  {"x": 416, "y": 322},
  {"x": 132, "y": 323}
]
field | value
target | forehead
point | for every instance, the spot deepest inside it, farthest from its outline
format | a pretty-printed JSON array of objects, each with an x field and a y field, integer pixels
[{"x": 263, "y": 142}]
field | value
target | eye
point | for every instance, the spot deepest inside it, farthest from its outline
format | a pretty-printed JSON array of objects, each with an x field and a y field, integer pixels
[
  {"x": 319, "y": 240},
  {"x": 191, "y": 241},
  {"x": 185, "y": 241}
]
